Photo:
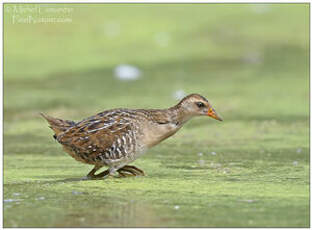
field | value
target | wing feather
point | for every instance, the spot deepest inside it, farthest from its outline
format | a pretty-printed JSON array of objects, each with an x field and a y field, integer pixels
[{"x": 100, "y": 136}]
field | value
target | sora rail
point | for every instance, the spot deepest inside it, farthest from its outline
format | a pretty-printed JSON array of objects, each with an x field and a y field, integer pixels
[{"x": 114, "y": 138}]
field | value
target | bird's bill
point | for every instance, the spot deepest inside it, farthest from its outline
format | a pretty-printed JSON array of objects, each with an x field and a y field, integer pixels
[{"x": 212, "y": 113}]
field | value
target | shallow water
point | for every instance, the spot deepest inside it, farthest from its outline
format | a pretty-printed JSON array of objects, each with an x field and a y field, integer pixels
[{"x": 252, "y": 63}]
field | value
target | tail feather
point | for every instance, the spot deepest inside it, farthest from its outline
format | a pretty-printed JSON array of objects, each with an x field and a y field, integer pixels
[{"x": 58, "y": 125}]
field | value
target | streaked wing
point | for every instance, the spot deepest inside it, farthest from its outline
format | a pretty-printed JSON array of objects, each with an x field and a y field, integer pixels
[{"x": 105, "y": 136}]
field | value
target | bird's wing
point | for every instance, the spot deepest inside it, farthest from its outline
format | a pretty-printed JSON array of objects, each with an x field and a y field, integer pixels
[{"x": 107, "y": 135}]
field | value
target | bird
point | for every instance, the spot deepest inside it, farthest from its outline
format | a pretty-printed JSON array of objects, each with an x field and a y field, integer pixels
[{"x": 117, "y": 137}]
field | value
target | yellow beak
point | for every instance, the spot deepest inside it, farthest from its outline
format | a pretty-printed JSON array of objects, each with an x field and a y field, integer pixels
[{"x": 212, "y": 113}]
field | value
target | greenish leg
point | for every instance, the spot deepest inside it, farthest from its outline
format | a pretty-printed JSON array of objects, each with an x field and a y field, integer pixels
[{"x": 130, "y": 170}]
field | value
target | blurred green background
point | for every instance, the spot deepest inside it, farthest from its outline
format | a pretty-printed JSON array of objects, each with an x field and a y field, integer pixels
[{"x": 250, "y": 60}]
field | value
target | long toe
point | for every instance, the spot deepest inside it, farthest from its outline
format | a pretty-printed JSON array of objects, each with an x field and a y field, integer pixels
[
  {"x": 133, "y": 168},
  {"x": 101, "y": 175},
  {"x": 127, "y": 172}
]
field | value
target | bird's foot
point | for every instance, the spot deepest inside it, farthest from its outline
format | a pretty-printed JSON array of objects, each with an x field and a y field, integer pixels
[
  {"x": 130, "y": 170},
  {"x": 101, "y": 175}
]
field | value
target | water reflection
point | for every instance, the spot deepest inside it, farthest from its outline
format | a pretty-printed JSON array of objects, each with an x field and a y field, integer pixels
[
  {"x": 108, "y": 212},
  {"x": 134, "y": 214}
]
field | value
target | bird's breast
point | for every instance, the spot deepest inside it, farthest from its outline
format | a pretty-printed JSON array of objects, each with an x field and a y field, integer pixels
[{"x": 152, "y": 134}]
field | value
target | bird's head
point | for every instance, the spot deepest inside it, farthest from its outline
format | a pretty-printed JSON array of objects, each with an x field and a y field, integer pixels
[{"x": 196, "y": 105}]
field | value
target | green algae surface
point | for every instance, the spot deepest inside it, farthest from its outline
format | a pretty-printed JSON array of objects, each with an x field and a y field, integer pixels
[{"x": 250, "y": 61}]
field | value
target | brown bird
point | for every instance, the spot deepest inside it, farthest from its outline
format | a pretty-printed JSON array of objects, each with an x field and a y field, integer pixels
[{"x": 115, "y": 138}]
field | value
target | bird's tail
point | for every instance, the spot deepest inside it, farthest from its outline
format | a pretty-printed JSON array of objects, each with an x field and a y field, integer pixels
[{"x": 58, "y": 125}]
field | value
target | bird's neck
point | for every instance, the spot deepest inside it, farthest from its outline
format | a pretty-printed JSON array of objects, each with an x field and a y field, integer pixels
[
  {"x": 166, "y": 122},
  {"x": 178, "y": 115}
]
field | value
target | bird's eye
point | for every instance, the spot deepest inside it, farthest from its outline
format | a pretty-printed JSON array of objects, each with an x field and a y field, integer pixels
[{"x": 200, "y": 104}]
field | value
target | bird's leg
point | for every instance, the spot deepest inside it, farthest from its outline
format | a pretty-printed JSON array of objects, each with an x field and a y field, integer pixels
[
  {"x": 125, "y": 173},
  {"x": 137, "y": 169},
  {"x": 105, "y": 173},
  {"x": 102, "y": 174},
  {"x": 91, "y": 174},
  {"x": 130, "y": 170},
  {"x": 127, "y": 170}
]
